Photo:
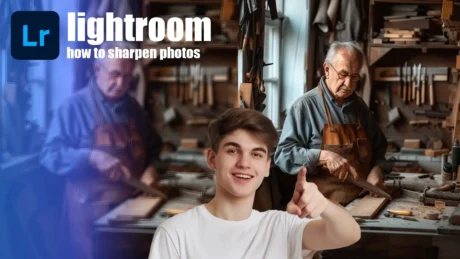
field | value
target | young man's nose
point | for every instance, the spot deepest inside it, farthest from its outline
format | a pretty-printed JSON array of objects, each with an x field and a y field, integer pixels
[{"x": 244, "y": 160}]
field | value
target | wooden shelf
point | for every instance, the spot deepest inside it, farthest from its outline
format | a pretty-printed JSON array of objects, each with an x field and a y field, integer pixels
[
  {"x": 409, "y": 1},
  {"x": 184, "y": 2},
  {"x": 377, "y": 51},
  {"x": 415, "y": 46}
]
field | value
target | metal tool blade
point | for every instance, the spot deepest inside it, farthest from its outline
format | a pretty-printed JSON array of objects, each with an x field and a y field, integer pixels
[
  {"x": 423, "y": 75},
  {"x": 419, "y": 68},
  {"x": 367, "y": 186},
  {"x": 411, "y": 194},
  {"x": 407, "y": 73}
]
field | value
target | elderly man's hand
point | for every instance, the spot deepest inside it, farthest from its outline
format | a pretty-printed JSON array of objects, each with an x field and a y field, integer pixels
[
  {"x": 376, "y": 178},
  {"x": 339, "y": 166},
  {"x": 108, "y": 165},
  {"x": 150, "y": 176}
]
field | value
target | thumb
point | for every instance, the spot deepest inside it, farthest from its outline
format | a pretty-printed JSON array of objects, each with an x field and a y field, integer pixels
[
  {"x": 292, "y": 208},
  {"x": 302, "y": 175},
  {"x": 126, "y": 173}
]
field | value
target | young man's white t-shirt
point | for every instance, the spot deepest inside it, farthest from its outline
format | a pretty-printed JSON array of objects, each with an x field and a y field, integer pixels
[{"x": 197, "y": 234}]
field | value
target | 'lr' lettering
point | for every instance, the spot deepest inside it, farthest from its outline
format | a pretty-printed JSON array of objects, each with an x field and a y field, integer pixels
[{"x": 25, "y": 37}]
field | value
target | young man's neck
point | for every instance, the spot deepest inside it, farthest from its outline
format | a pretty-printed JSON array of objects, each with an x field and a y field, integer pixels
[{"x": 226, "y": 207}]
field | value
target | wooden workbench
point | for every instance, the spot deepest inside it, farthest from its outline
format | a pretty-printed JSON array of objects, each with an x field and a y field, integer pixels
[{"x": 422, "y": 239}]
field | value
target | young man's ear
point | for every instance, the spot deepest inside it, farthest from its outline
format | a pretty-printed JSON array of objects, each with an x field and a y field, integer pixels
[
  {"x": 267, "y": 172},
  {"x": 211, "y": 159}
]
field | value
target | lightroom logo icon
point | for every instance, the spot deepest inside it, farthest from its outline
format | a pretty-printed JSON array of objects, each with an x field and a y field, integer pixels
[{"x": 35, "y": 35}]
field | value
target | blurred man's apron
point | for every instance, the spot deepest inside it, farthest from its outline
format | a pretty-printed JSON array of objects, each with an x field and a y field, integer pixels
[
  {"x": 350, "y": 142},
  {"x": 89, "y": 197}
]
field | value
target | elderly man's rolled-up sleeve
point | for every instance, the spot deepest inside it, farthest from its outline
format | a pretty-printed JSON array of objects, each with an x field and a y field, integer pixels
[
  {"x": 60, "y": 154},
  {"x": 291, "y": 153}
]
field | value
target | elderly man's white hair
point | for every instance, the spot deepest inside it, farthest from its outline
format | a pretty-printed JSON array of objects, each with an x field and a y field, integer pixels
[{"x": 352, "y": 48}]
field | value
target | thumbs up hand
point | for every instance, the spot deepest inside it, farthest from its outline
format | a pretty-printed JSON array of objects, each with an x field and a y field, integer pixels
[{"x": 307, "y": 200}]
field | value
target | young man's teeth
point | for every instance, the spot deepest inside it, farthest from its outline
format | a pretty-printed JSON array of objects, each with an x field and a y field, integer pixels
[{"x": 243, "y": 176}]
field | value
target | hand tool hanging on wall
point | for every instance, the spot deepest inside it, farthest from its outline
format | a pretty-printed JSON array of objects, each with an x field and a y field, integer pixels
[
  {"x": 408, "y": 84},
  {"x": 414, "y": 82},
  {"x": 402, "y": 80},
  {"x": 417, "y": 86},
  {"x": 251, "y": 40},
  {"x": 422, "y": 79}
]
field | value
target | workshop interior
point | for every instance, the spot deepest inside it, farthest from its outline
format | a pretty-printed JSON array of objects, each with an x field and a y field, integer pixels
[{"x": 261, "y": 55}]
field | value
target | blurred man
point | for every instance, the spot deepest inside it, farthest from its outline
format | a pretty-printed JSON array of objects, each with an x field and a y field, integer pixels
[
  {"x": 332, "y": 125},
  {"x": 97, "y": 138}
]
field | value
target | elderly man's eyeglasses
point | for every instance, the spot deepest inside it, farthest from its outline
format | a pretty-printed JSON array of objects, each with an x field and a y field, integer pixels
[
  {"x": 116, "y": 74},
  {"x": 344, "y": 75}
]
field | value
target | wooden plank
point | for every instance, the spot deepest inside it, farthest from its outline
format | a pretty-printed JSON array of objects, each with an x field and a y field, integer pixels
[
  {"x": 189, "y": 143},
  {"x": 367, "y": 207},
  {"x": 455, "y": 217},
  {"x": 246, "y": 94},
  {"x": 455, "y": 122},
  {"x": 436, "y": 152},
  {"x": 404, "y": 39},
  {"x": 376, "y": 53},
  {"x": 140, "y": 207},
  {"x": 412, "y": 143},
  {"x": 392, "y": 74},
  {"x": 409, "y": 24}
]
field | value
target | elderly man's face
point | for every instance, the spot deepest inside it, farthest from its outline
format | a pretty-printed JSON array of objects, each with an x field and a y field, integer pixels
[
  {"x": 342, "y": 75},
  {"x": 113, "y": 76}
]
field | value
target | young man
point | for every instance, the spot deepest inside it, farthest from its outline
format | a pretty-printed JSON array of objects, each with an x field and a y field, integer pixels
[{"x": 228, "y": 227}]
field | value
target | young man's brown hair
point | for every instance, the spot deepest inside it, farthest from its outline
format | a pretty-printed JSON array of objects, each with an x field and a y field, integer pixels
[{"x": 240, "y": 118}]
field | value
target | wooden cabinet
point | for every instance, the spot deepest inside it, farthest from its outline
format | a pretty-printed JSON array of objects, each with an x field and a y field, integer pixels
[
  {"x": 427, "y": 45},
  {"x": 185, "y": 94}
]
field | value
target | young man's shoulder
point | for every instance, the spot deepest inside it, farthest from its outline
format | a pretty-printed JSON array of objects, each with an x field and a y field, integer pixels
[{"x": 182, "y": 219}]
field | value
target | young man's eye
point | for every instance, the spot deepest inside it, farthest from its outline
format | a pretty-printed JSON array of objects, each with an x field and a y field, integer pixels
[
  {"x": 232, "y": 151},
  {"x": 258, "y": 155}
]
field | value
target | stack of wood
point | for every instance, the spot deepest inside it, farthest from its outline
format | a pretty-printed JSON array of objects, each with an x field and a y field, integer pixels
[
  {"x": 413, "y": 147},
  {"x": 406, "y": 24},
  {"x": 399, "y": 36}
]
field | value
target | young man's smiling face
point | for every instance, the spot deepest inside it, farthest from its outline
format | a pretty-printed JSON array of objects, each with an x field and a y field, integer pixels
[{"x": 241, "y": 163}]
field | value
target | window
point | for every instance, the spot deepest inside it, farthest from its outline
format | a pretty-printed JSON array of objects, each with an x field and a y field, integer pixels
[{"x": 271, "y": 73}]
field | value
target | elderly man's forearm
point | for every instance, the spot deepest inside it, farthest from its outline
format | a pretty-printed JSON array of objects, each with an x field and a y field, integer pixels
[{"x": 290, "y": 161}]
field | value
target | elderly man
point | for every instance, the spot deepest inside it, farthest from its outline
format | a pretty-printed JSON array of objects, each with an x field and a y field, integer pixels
[
  {"x": 331, "y": 125},
  {"x": 98, "y": 137}
]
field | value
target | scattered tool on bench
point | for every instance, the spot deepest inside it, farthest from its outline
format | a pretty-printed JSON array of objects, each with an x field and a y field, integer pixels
[
  {"x": 389, "y": 215},
  {"x": 400, "y": 212},
  {"x": 361, "y": 220}
]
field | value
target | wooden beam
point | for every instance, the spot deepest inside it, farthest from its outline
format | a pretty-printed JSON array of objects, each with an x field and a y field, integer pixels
[
  {"x": 377, "y": 53},
  {"x": 454, "y": 117}
]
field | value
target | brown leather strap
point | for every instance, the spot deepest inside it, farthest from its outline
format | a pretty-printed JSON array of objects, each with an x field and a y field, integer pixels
[
  {"x": 328, "y": 114},
  {"x": 357, "y": 118},
  {"x": 100, "y": 119}
]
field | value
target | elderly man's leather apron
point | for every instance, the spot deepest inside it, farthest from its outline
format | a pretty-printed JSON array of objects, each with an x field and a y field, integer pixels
[
  {"x": 92, "y": 195},
  {"x": 349, "y": 141}
]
